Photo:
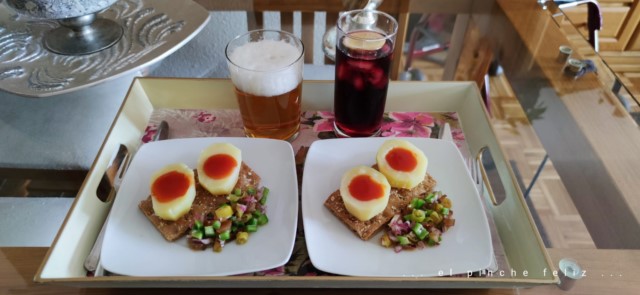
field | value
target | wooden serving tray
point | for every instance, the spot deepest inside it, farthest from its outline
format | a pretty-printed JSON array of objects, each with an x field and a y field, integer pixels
[{"x": 523, "y": 247}]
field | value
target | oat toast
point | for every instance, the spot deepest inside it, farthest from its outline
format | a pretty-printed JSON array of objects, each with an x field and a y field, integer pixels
[
  {"x": 203, "y": 204},
  {"x": 398, "y": 200}
]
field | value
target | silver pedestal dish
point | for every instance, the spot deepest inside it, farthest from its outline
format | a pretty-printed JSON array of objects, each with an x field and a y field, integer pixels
[
  {"x": 81, "y": 31},
  {"x": 151, "y": 30}
]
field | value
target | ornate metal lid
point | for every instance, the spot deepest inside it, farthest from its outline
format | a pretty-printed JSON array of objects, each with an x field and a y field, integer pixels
[
  {"x": 57, "y": 9},
  {"x": 152, "y": 31}
]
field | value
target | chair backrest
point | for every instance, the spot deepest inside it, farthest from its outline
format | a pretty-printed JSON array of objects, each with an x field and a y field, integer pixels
[
  {"x": 255, "y": 10},
  {"x": 594, "y": 18},
  {"x": 474, "y": 62}
]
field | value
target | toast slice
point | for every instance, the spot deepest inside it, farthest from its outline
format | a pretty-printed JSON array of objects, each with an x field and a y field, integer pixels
[
  {"x": 398, "y": 200},
  {"x": 203, "y": 204}
]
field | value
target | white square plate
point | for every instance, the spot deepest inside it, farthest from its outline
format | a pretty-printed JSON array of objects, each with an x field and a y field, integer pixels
[
  {"x": 132, "y": 245},
  {"x": 334, "y": 248}
]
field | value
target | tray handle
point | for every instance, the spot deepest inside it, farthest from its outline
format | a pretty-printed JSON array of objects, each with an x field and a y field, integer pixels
[
  {"x": 487, "y": 170},
  {"x": 485, "y": 177}
]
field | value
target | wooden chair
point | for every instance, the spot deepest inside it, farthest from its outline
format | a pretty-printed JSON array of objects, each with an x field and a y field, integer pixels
[
  {"x": 474, "y": 63},
  {"x": 255, "y": 10},
  {"x": 593, "y": 23}
]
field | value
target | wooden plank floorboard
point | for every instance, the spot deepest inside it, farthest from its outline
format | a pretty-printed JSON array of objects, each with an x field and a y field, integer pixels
[{"x": 555, "y": 212}]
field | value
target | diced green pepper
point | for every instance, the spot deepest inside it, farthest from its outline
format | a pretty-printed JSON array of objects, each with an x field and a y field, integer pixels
[
  {"x": 417, "y": 215},
  {"x": 430, "y": 198},
  {"x": 252, "y": 221},
  {"x": 263, "y": 200},
  {"x": 417, "y": 203},
  {"x": 265, "y": 194},
  {"x": 196, "y": 234},
  {"x": 407, "y": 217},
  {"x": 233, "y": 198},
  {"x": 445, "y": 211},
  {"x": 252, "y": 228},
  {"x": 403, "y": 240},
  {"x": 251, "y": 191},
  {"x": 216, "y": 224},
  {"x": 209, "y": 231},
  {"x": 225, "y": 235},
  {"x": 237, "y": 192},
  {"x": 197, "y": 225},
  {"x": 420, "y": 231},
  {"x": 263, "y": 219}
]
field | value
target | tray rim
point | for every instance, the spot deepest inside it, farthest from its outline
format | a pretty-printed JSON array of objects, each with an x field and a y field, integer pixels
[{"x": 290, "y": 281}]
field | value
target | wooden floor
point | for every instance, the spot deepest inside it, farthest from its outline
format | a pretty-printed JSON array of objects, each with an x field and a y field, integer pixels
[{"x": 558, "y": 220}]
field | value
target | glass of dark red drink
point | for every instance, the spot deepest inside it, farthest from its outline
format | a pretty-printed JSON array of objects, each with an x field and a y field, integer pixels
[{"x": 364, "y": 49}]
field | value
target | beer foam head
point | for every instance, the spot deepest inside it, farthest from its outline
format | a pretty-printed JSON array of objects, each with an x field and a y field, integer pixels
[{"x": 266, "y": 67}]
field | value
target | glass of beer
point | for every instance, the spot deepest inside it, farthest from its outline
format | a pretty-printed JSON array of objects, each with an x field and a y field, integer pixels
[
  {"x": 266, "y": 70},
  {"x": 364, "y": 49}
]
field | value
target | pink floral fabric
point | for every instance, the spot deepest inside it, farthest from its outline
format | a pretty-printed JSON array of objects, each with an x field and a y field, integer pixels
[
  {"x": 204, "y": 117},
  {"x": 314, "y": 124},
  {"x": 407, "y": 124},
  {"x": 325, "y": 123}
]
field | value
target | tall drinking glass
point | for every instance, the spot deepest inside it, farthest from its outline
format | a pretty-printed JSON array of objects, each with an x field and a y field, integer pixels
[
  {"x": 364, "y": 48},
  {"x": 266, "y": 71}
]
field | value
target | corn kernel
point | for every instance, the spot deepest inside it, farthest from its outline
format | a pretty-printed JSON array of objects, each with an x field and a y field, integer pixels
[
  {"x": 385, "y": 241},
  {"x": 446, "y": 202},
  {"x": 223, "y": 213},
  {"x": 242, "y": 237},
  {"x": 217, "y": 246}
]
